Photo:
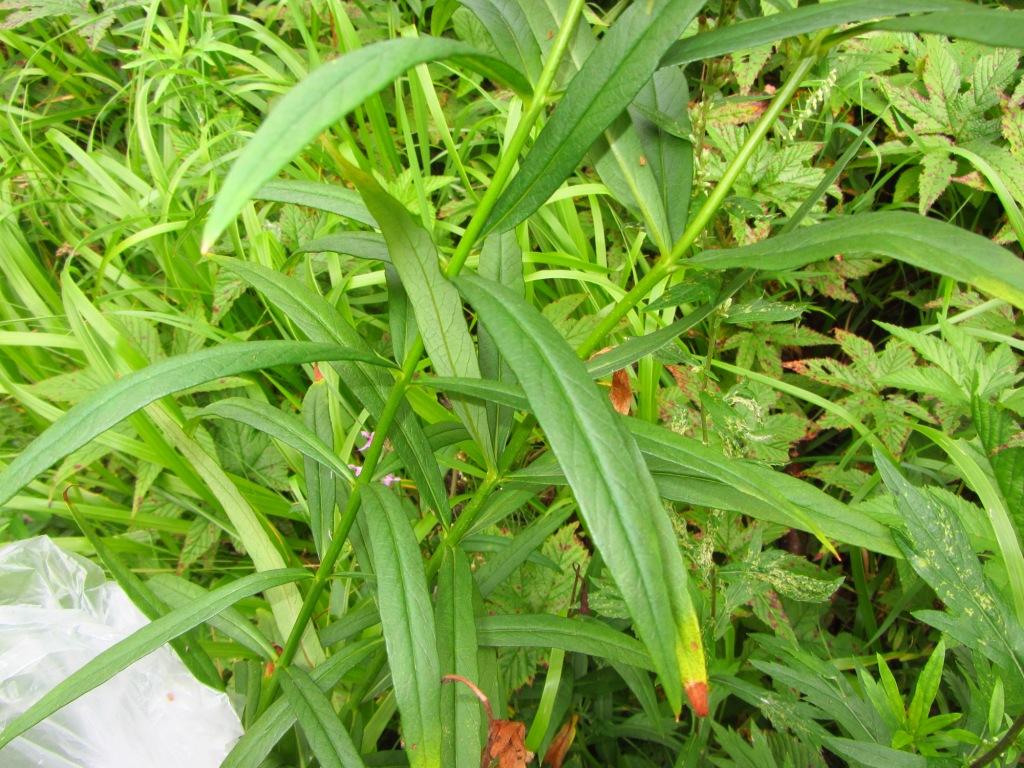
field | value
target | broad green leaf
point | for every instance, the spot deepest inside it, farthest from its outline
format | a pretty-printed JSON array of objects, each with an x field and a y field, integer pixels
[
  {"x": 332, "y": 198},
  {"x": 435, "y": 302},
  {"x": 254, "y": 746},
  {"x": 457, "y": 649},
  {"x": 872, "y": 755},
  {"x": 143, "y": 642},
  {"x": 407, "y": 618},
  {"x": 612, "y": 75},
  {"x": 324, "y": 97},
  {"x": 916, "y": 240},
  {"x": 686, "y": 470},
  {"x": 751, "y": 33},
  {"x": 979, "y": 477},
  {"x": 581, "y": 634},
  {"x": 129, "y": 394},
  {"x": 321, "y": 321},
  {"x": 618, "y": 500},
  {"x": 327, "y": 737}
]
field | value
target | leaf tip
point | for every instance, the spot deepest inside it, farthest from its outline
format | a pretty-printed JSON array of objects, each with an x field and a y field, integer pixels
[{"x": 697, "y": 693}]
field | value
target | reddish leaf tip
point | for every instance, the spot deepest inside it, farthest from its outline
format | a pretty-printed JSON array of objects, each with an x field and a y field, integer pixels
[{"x": 697, "y": 693}]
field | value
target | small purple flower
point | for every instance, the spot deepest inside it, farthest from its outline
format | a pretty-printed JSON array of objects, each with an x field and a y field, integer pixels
[
  {"x": 389, "y": 480},
  {"x": 356, "y": 469},
  {"x": 368, "y": 437}
]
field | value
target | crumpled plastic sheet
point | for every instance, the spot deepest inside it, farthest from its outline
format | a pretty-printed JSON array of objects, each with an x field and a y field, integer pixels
[{"x": 57, "y": 612}]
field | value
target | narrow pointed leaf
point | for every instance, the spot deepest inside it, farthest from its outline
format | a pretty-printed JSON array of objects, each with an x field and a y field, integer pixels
[
  {"x": 618, "y": 500},
  {"x": 407, "y": 618},
  {"x": 916, "y": 240},
  {"x": 612, "y": 75},
  {"x": 327, "y": 737},
  {"x": 332, "y": 198},
  {"x": 127, "y": 395},
  {"x": 325, "y": 96},
  {"x": 143, "y": 642}
]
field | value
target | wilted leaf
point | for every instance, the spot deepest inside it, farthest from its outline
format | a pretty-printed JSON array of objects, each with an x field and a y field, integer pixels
[
  {"x": 622, "y": 392},
  {"x": 506, "y": 745},
  {"x": 560, "y": 744}
]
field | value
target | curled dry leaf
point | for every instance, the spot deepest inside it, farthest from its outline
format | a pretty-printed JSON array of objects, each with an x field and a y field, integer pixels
[
  {"x": 622, "y": 392},
  {"x": 506, "y": 739},
  {"x": 560, "y": 744}
]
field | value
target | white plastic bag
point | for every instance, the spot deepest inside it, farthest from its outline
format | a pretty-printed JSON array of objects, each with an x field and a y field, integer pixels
[{"x": 56, "y": 613}]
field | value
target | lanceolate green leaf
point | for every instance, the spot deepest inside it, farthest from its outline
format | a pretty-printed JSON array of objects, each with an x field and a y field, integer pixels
[
  {"x": 617, "y": 497},
  {"x": 916, "y": 240},
  {"x": 146, "y": 640},
  {"x": 254, "y": 746},
  {"x": 509, "y": 29},
  {"x": 434, "y": 301},
  {"x": 281, "y": 426},
  {"x": 991, "y": 26},
  {"x": 408, "y": 621},
  {"x": 612, "y": 75},
  {"x": 124, "y": 397},
  {"x": 332, "y": 198},
  {"x": 457, "y": 648},
  {"x": 327, "y": 737},
  {"x": 751, "y": 33},
  {"x": 320, "y": 321},
  {"x": 326, "y": 96},
  {"x": 578, "y": 635}
]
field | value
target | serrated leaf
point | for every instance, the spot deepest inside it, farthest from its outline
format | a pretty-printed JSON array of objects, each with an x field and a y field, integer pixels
[{"x": 937, "y": 168}]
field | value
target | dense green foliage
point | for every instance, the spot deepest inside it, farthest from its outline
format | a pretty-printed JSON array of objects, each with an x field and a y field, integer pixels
[{"x": 608, "y": 357}]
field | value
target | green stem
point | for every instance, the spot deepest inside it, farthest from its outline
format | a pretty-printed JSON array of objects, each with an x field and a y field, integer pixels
[
  {"x": 707, "y": 211},
  {"x": 411, "y": 362}
]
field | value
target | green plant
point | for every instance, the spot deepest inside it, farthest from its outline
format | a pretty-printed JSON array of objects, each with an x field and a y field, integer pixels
[{"x": 347, "y": 321}]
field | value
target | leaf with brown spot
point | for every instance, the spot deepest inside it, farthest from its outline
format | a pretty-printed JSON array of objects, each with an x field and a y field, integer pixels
[
  {"x": 560, "y": 744},
  {"x": 622, "y": 392},
  {"x": 506, "y": 743}
]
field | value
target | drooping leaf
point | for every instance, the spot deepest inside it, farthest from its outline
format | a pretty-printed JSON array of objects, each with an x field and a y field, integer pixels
[
  {"x": 332, "y": 198},
  {"x": 924, "y": 243},
  {"x": 434, "y": 300},
  {"x": 327, "y": 737}
]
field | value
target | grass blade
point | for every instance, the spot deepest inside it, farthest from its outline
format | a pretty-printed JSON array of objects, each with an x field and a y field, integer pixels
[
  {"x": 924, "y": 243},
  {"x": 327, "y": 95},
  {"x": 124, "y": 397},
  {"x": 146, "y": 640},
  {"x": 617, "y": 497},
  {"x": 613, "y": 74},
  {"x": 327, "y": 737},
  {"x": 408, "y": 621}
]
